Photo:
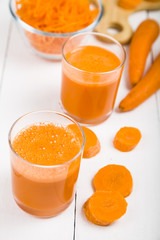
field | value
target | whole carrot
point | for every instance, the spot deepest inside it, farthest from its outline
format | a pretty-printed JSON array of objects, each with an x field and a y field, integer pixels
[
  {"x": 149, "y": 84},
  {"x": 141, "y": 43},
  {"x": 129, "y": 4}
]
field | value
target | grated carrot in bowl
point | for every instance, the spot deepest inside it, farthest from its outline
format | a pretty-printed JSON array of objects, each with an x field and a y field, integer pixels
[
  {"x": 62, "y": 16},
  {"x": 55, "y": 17}
]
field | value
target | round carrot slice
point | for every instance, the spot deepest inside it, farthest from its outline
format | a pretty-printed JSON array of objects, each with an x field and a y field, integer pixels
[
  {"x": 126, "y": 139},
  {"x": 104, "y": 207},
  {"x": 114, "y": 177},
  {"x": 92, "y": 145},
  {"x": 91, "y": 218}
]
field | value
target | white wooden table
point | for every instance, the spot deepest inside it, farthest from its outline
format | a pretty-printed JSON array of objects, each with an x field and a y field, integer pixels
[{"x": 29, "y": 83}]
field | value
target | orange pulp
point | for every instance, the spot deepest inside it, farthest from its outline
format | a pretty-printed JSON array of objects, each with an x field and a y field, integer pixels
[
  {"x": 47, "y": 189},
  {"x": 90, "y": 82}
]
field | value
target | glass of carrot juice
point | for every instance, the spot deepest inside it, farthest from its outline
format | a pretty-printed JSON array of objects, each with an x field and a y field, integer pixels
[
  {"x": 45, "y": 156},
  {"x": 92, "y": 66}
]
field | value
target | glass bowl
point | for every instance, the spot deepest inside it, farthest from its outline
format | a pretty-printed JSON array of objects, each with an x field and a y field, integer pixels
[{"x": 48, "y": 44}]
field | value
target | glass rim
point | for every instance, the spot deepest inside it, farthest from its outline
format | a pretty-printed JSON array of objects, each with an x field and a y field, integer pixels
[
  {"x": 50, "y": 34},
  {"x": 100, "y": 35},
  {"x": 46, "y": 166}
]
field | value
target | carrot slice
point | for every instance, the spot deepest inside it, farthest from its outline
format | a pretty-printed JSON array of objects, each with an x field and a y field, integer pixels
[
  {"x": 92, "y": 145},
  {"x": 104, "y": 207},
  {"x": 126, "y": 139},
  {"x": 114, "y": 177}
]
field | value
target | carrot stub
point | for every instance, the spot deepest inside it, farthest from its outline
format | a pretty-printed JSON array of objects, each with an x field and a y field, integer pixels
[
  {"x": 141, "y": 43},
  {"x": 126, "y": 139},
  {"x": 129, "y": 4},
  {"x": 104, "y": 207},
  {"x": 114, "y": 178},
  {"x": 149, "y": 84}
]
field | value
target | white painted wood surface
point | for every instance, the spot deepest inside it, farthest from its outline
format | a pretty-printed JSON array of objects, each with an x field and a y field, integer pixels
[{"x": 29, "y": 83}]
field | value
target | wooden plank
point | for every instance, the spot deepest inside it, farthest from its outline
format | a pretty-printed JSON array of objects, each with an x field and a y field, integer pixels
[
  {"x": 155, "y": 51},
  {"x": 30, "y": 83},
  {"x": 143, "y": 162},
  {"x": 5, "y": 30}
]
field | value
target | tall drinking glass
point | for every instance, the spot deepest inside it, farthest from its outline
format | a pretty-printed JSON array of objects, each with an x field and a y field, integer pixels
[
  {"x": 92, "y": 65},
  {"x": 41, "y": 189}
]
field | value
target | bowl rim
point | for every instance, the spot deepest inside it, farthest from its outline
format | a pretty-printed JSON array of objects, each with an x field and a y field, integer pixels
[{"x": 39, "y": 32}]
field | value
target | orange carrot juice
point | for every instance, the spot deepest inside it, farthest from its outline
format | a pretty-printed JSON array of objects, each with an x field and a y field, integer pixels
[
  {"x": 90, "y": 79},
  {"x": 43, "y": 175}
]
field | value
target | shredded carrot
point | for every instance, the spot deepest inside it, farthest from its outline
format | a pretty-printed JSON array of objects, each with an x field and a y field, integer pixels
[
  {"x": 104, "y": 207},
  {"x": 114, "y": 178},
  {"x": 126, "y": 139},
  {"x": 46, "y": 44},
  {"x": 62, "y": 16}
]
